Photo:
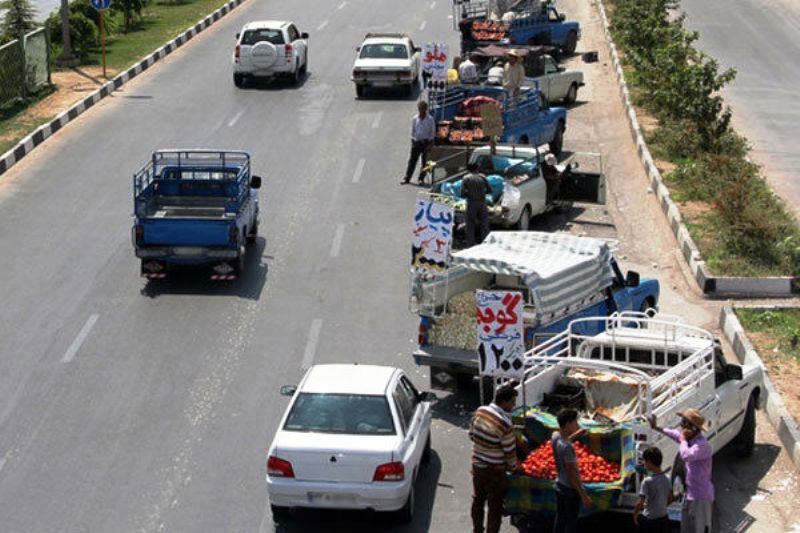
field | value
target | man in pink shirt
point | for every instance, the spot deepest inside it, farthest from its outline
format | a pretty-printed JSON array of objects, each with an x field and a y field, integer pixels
[{"x": 697, "y": 456}]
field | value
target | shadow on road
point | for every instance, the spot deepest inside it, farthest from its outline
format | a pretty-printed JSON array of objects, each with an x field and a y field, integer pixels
[
  {"x": 304, "y": 520},
  {"x": 379, "y": 93},
  {"x": 195, "y": 280},
  {"x": 273, "y": 84}
]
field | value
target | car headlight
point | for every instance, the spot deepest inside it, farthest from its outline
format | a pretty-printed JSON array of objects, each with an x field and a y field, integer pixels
[{"x": 511, "y": 197}]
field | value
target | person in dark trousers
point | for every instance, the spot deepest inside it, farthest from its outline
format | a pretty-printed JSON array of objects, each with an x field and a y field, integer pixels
[
  {"x": 493, "y": 454},
  {"x": 569, "y": 489},
  {"x": 552, "y": 173},
  {"x": 655, "y": 494},
  {"x": 423, "y": 129},
  {"x": 474, "y": 188}
]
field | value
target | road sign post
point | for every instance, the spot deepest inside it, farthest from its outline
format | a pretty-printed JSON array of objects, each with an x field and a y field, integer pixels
[{"x": 101, "y": 6}]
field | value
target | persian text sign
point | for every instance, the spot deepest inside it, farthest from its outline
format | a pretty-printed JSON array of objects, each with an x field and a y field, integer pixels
[
  {"x": 434, "y": 66},
  {"x": 501, "y": 340},
  {"x": 432, "y": 236}
]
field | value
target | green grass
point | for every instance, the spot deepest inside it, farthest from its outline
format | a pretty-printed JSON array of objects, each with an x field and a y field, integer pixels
[
  {"x": 781, "y": 325},
  {"x": 15, "y": 123},
  {"x": 160, "y": 23}
]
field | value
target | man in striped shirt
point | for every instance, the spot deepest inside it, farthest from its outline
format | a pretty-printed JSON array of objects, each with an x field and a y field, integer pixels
[{"x": 494, "y": 452}]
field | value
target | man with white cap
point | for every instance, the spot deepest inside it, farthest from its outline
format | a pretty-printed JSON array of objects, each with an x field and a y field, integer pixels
[{"x": 697, "y": 456}]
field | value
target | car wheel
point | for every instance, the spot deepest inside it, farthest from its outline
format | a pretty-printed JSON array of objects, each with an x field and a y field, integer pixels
[
  {"x": 361, "y": 90},
  {"x": 304, "y": 68},
  {"x": 296, "y": 76},
  {"x": 406, "y": 514},
  {"x": 278, "y": 511},
  {"x": 571, "y": 44},
  {"x": 745, "y": 441},
  {"x": 572, "y": 94},
  {"x": 558, "y": 140},
  {"x": 426, "y": 452},
  {"x": 238, "y": 80},
  {"x": 524, "y": 222}
]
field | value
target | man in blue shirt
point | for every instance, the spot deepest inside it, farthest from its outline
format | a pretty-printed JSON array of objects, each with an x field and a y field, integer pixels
[{"x": 423, "y": 129}]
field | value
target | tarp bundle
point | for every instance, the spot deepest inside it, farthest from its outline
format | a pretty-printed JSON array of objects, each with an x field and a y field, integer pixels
[
  {"x": 526, "y": 494},
  {"x": 560, "y": 270}
]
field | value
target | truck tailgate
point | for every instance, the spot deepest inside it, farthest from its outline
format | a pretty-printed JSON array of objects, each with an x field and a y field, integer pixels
[
  {"x": 186, "y": 232},
  {"x": 431, "y": 355}
]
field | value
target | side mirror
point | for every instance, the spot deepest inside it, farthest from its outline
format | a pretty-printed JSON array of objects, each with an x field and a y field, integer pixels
[
  {"x": 417, "y": 49},
  {"x": 562, "y": 16},
  {"x": 733, "y": 372},
  {"x": 288, "y": 390},
  {"x": 427, "y": 397},
  {"x": 237, "y": 36},
  {"x": 632, "y": 279},
  {"x": 255, "y": 182},
  {"x": 304, "y": 35}
]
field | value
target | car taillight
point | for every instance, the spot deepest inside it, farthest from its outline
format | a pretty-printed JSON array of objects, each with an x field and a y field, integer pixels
[
  {"x": 236, "y": 53},
  {"x": 288, "y": 49},
  {"x": 390, "y": 472},
  {"x": 422, "y": 337},
  {"x": 233, "y": 235},
  {"x": 277, "y": 467},
  {"x": 138, "y": 233},
  {"x": 358, "y": 73}
]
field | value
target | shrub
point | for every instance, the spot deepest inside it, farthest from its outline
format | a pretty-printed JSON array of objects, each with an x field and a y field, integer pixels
[{"x": 83, "y": 31}]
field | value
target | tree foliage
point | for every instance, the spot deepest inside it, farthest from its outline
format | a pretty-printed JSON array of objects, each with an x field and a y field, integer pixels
[
  {"x": 19, "y": 19},
  {"x": 130, "y": 9}
]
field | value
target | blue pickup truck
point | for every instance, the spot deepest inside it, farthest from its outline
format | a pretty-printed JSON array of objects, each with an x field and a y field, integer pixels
[
  {"x": 527, "y": 119},
  {"x": 545, "y": 26},
  {"x": 194, "y": 207}
]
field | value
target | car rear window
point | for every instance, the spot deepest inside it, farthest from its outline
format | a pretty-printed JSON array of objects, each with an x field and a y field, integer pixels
[
  {"x": 353, "y": 414},
  {"x": 256, "y": 36},
  {"x": 384, "y": 51}
]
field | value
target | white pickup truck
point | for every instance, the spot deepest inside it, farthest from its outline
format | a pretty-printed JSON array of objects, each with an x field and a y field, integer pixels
[
  {"x": 557, "y": 84},
  {"x": 520, "y": 191},
  {"x": 640, "y": 366}
]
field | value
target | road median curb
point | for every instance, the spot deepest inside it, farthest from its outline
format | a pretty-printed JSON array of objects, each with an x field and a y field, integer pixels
[
  {"x": 43, "y": 132},
  {"x": 780, "y": 418},
  {"x": 712, "y": 286}
]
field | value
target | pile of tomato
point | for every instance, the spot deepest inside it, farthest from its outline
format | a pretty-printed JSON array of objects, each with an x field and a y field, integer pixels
[{"x": 593, "y": 468}]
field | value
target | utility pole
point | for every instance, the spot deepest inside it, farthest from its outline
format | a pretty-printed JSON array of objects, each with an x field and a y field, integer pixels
[{"x": 67, "y": 58}]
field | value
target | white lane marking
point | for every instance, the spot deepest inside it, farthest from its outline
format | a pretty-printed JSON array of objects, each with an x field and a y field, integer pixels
[
  {"x": 341, "y": 6},
  {"x": 337, "y": 241},
  {"x": 377, "y": 120},
  {"x": 324, "y": 23},
  {"x": 82, "y": 334},
  {"x": 359, "y": 170},
  {"x": 311, "y": 345},
  {"x": 433, "y": 4},
  {"x": 422, "y": 25},
  {"x": 235, "y": 119},
  {"x": 450, "y": 16}
]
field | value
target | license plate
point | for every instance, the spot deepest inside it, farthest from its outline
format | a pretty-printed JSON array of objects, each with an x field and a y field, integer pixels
[
  {"x": 187, "y": 250},
  {"x": 327, "y": 497},
  {"x": 383, "y": 83}
]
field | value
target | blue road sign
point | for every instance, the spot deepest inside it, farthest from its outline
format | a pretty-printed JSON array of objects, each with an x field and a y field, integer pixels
[{"x": 100, "y": 4}]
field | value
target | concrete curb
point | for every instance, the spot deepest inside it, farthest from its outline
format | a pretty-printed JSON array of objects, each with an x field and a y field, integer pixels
[
  {"x": 40, "y": 134},
  {"x": 780, "y": 418},
  {"x": 710, "y": 285}
]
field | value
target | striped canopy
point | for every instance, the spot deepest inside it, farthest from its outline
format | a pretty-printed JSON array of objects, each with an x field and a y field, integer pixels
[{"x": 560, "y": 270}]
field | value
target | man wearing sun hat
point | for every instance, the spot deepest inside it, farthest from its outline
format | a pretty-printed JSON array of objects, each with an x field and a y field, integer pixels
[
  {"x": 697, "y": 456},
  {"x": 513, "y": 73}
]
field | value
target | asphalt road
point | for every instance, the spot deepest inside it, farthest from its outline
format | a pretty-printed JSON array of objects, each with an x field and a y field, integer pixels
[
  {"x": 760, "y": 39},
  {"x": 135, "y": 406}
]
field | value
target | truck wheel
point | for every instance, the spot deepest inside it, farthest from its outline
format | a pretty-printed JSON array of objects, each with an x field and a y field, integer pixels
[
  {"x": 360, "y": 90},
  {"x": 571, "y": 44},
  {"x": 558, "y": 140},
  {"x": 524, "y": 222},
  {"x": 253, "y": 235},
  {"x": 572, "y": 94},
  {"x": 745, "y": 441},
  {"x": 238, "y": 80}
]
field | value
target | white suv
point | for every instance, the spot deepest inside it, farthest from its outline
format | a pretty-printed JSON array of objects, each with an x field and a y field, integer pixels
[
  {"x": 268, "y": 48},
  {"x": 386, "y": 60}
]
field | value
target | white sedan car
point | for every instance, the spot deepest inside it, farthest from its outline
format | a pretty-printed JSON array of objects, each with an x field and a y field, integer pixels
[{"x": 353, "y": 437}]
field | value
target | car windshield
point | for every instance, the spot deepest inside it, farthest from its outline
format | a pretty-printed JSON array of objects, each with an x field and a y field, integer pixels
[
  {"x": 256, "y": 36},
  {"x": 353, "y": 414},
  {"x": 384, "y": 51}
]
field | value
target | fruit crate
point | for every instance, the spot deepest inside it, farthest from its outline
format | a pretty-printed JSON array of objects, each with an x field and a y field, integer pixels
[{"x": 615, "y": 443}]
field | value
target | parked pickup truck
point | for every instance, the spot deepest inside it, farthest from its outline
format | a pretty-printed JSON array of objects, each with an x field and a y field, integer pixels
[
  {"x": 519, "y": 190},
  {"x": 633, "y": 367},
  {"x": 527, "y": 119},
  {"x": 194, "y": 207},
  {"x": 562, "y": 278}
]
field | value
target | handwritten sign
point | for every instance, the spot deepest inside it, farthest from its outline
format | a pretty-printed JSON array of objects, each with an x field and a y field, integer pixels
[
  {"x": 501, "y": 341},
  {"x": 432, "y": 236},
  {"x": 434, "y": 66},
  {"x": 491, "y": 120}
]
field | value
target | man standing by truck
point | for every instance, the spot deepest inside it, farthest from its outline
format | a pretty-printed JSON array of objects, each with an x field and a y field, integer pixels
[
  {"x": 423, "y": 129},
  {"x": 569, "y": 489},
  {"x": 474, "y": 188},
  {"x": 697, "y": 456}
]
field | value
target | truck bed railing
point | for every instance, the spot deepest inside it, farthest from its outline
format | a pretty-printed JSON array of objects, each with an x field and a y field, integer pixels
[{"x": 444, "y": 105}]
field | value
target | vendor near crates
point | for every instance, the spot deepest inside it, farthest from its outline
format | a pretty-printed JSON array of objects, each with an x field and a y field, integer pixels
[{"x": 569, "y": 489}]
